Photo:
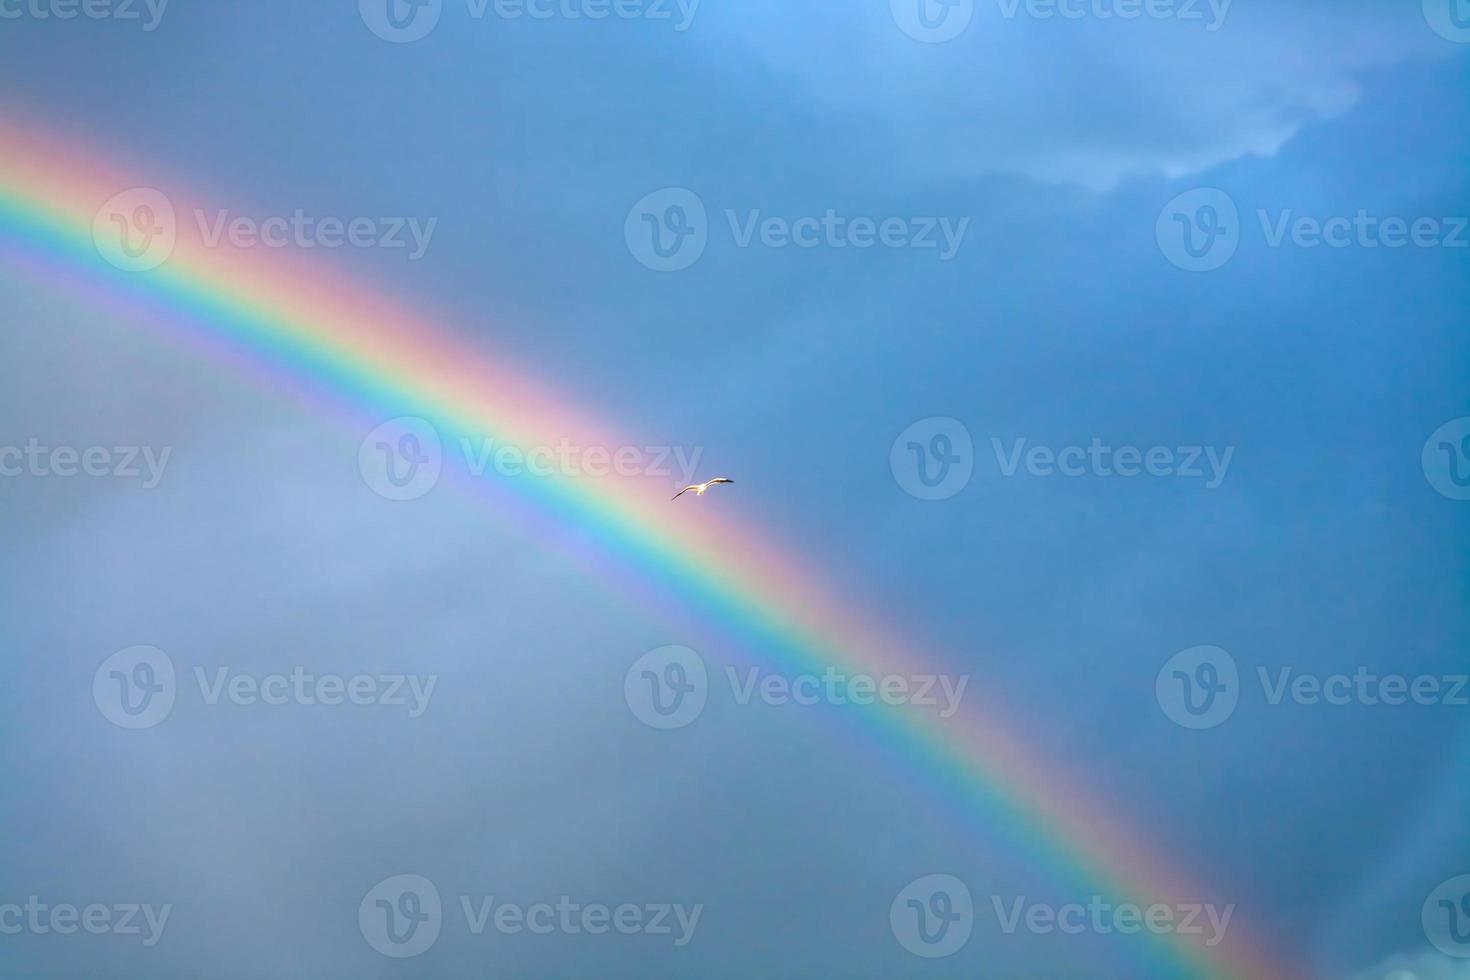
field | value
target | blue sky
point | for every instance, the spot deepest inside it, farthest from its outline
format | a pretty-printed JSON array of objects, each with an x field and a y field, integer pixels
[{"x": 1062, "y": 318}]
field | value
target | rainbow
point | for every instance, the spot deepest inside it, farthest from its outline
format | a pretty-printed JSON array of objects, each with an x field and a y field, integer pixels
[{"x": 311, "y": 325}]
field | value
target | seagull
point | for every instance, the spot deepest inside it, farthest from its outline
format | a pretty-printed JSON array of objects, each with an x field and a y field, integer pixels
[{"x": 700, "y": 488}]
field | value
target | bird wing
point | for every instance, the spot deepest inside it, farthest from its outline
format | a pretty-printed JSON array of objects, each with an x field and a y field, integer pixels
[
  {"x": 683, "y": 492},
  {"x": 721, "y": 480}
]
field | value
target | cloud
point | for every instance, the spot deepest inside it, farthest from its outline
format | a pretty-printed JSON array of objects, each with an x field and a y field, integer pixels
[
  {"x": 1089, "y": 100},
  {"x": 1425, "y": 966}
]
